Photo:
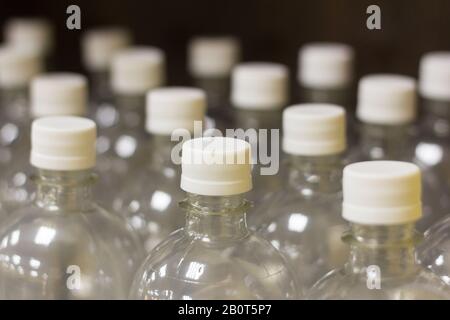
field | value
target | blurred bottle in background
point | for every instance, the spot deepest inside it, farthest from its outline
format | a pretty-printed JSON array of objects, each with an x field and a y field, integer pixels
[
  {"x": 51, "y": 94},
  {"x": 149, "y": 196},
  {"x": 134, "y": 71},
  {"x": 303, "y": 220},
  {"x": 210, "y": 62},
  {"x": 32, "y": 35},
  {"x": 433, "y": 150},
  {"x": 63, "y": 246},
  {"x": 259, "y": 92},
  {"x": 387, "y": 109},
  {"x": 215, "y": 256},
  {"x": 382, "y": 203}
]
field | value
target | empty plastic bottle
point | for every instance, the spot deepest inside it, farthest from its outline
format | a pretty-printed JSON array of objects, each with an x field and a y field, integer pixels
[
  {"x": 387, "y": 108},
  {"x": 303, "y": 220},
  {"x": 215, "y": 256},
  {"x": 382, "y": 203},
  {"x": 33, "y": 35},
  {"x": 150, "y": 195},
  {"x": 259, "y": 92},
  {"x": 211, "y": 60},
  {"x": 134, "y": 71},
  {"x": 51, "y": 94},
  {"x": 63, "y": 246}
]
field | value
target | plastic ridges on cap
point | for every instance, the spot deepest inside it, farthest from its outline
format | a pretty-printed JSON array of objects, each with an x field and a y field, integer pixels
[
  {"x": 213, "y": 56},
  {"x": 260, "y": 85},
  {"x": 100, "y": 45},
  {"x": 17, "y": 67},
  {"x": 434, "y": 76},
  {"x": 387, "y": 99},
  {"x": 63, "y": 143},
  {"x": 382, "y": 193},
  {"x": 57, "y": 94},
  {"x": 174, "y": 108},
  {"x": 136, "y": 70},
  {"x": 325, "y": 65},
  {"x": 216, "y": 166},
  {"x": 314, "y": 129}
]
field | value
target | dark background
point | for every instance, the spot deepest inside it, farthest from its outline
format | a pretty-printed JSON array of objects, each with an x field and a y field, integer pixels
[{"x": 271, "y": 30}]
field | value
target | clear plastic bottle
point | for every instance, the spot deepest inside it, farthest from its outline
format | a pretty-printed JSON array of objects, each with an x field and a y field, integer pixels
[
  {"x": 387, "y": 110},
  {"x": 215, "y": 256},
  {"x": 32, "y": 35},
  {"x": 63, "y": 246},
  {"x": 211, "y": 60},
  {"x": 326, "y": 75},
  {"x": 303, "y": 220},
  {"x": 134, "y": 71},
  {"x": 98, "y": 49},
  {"x": 149, "y": 197},
  {"x": 382, "y": 202},
  {"x": 51, "y": 94},
  {"x": 434, "y": 151},
  {"x": 259, "y": 92}
]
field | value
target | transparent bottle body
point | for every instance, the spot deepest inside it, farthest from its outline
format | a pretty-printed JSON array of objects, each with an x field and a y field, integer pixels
[
  {"x": 64, "y": 246},
  {"x": 118, "y": 143},
  {"x": 303, "y": 220},
  {"x": 14, "y": 148},
  {"x": 382, "y": 266},
  {"x": 149, "y": 196},
  {"x": 383, "y": 142},
  {"x": 261, "y": 128},
  {"x": 213, "y": 257}
]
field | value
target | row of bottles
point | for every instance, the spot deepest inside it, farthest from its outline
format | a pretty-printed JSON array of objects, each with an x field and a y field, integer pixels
[{"x": 247, "y": 231}]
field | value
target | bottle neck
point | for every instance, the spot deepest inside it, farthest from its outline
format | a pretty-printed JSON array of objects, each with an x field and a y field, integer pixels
[
  {"x": 158, "y": 151},
  {"x": 131, "y": 110},
  {"x": 379, "y": 142},
  {"x": 311, "y": 175},
  {"x": 257, "y": 119},
  {"x": 340, "y": 96},
  {"x": 217, "y": 90},
  {"x": 216, "y": 218},
  {"x": 14, "y": 103},
  {"x": 436, "y": 119},
  {"x": 64, "y": 191},
  {"x": 100, "y": 84},
  {"x": 389, "y": 248}
]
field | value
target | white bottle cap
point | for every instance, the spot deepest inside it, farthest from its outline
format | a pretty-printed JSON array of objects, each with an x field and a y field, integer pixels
[
  {"x": 100, "y": 45},
  {"x": 137, "y": 70},
  {"x": 387, "y": 99},
  {"x": 216, "y": 166},
  {"x": 17, "y": 67},
  {"x": 174, "y": 108},
  {"x": 325, "y": 65},
  {"x": 58, "y": 94},
  {"x": 314, "y": 129},
  {"x": 213, "y": 56},
  {"x": 434, "y": 76},
  {"x": 259, "y": 85},
  {"x": 31, "y": 34},
  {"x": 382, "y": 193},
  {"x": 63, "y": 143}
]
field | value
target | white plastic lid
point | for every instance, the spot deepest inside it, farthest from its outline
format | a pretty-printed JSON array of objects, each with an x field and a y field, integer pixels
[
  {"x": 34, "y": 35},
  {"x": 213, "y": 56},
  {"x": 314, "y": 129},
  {"x": 382, "y": 193},
  {"x": 325, "y": 65},
  {"x": 63, "y": 143},
  {"x": 216, "y": 166},
  {"x": 259, "y": 85},
  {"x": 174, "y": 108},
  {"x": 387, "y": 99},
  {"x": 100, "y": 45},
  {"x": 58, "y": 94},
  {"x": 434, "y": 75},
  {"x": 17, "y": 67},
  {"x": 137, "y": 70}
]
